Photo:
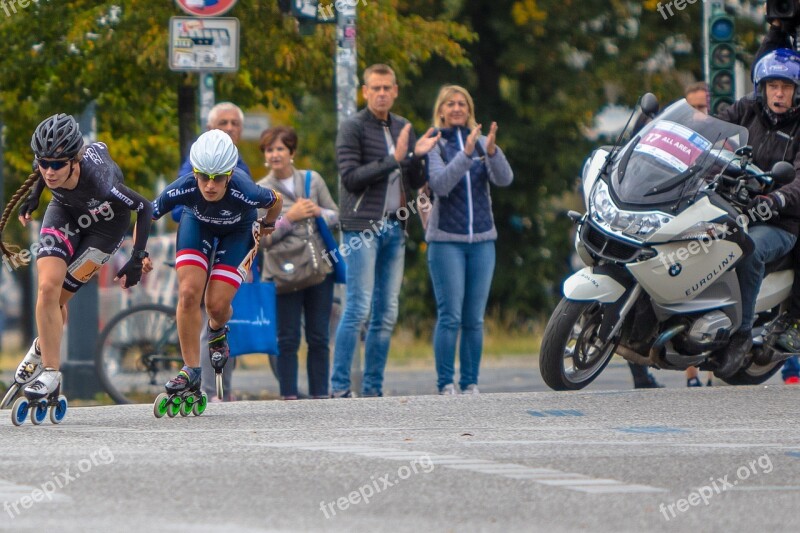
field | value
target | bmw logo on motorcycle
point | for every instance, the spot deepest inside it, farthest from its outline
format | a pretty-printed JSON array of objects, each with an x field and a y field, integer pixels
[{"x": 675, "y": 269}]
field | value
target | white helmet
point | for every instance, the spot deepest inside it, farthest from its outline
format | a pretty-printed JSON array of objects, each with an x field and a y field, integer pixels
[{"x": 214, "y": 153}]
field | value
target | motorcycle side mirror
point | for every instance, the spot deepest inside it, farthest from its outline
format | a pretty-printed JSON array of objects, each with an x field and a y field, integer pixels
[
  {"x": 649, "y": 105},
  {"x": 783, "y": 173}
]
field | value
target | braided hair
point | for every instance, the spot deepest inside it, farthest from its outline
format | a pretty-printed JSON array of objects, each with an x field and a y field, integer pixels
[{"x": 9, "y": 250}]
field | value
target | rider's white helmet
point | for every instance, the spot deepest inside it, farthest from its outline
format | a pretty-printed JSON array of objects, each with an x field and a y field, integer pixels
[{"x": 214, "y": 153}]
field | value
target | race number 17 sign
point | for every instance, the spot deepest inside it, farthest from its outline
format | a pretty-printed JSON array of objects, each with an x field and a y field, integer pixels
[{"x": 206, "y": 8}]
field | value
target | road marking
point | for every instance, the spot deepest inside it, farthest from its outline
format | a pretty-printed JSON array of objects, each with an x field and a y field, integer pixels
[
  {"x": 543, "y": 476},
  {"x": 12, "y": 493},
  {"x": 652, "y": 429},
  {"x": 556, "y": 412}
]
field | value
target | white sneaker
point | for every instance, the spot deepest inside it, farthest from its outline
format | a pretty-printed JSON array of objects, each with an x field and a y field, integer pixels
[
  {"x": 448, "y": 390},
  {"x": 49, "y": 380},
  {"x": 30, "y": 367},
  {"x": 471, "y": 389}
]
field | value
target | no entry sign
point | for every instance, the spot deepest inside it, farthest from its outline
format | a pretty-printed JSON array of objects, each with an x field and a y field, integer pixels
[{"x": 206, "y": 8}]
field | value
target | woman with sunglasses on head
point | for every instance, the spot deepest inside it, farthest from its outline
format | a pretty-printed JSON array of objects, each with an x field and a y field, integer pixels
[
  {"x": 84, "y": 224},
  {"x": 220, "y": 202}
]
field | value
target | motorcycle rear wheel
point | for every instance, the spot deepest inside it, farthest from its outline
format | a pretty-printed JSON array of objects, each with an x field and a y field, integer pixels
[
  {"x": 572, "y": 355},
  {"x": 754, "y": 374}
]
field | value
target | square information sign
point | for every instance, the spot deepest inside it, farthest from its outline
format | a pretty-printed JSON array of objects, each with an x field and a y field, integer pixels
[{"x": 205, "y": 44}]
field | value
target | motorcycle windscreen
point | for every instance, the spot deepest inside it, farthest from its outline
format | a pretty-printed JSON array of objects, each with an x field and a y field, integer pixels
[{"x": 674, "y": 156}]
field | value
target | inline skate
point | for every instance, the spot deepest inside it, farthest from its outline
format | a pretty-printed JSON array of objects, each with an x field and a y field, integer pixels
[
  {"x": 183, "y": 396},
  {"x": 44, "y": 392},
  {"x": 218, "y": 352}
]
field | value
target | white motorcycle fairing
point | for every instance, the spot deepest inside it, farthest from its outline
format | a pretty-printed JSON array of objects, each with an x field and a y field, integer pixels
[{"x": 586, "y": 285}]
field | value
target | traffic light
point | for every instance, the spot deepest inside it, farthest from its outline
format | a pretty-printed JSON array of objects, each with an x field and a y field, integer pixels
[{"x": 722, "y": 60}]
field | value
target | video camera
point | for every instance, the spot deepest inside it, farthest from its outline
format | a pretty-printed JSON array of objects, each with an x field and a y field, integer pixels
[{"x": 787, "y": 11}]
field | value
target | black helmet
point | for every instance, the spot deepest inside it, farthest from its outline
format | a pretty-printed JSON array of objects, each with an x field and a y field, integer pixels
[{"x": 57, "y": 137}]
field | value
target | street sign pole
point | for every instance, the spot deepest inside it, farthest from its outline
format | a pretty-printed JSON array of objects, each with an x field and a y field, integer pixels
[
  {"x": 206, "y": 97},
  {"x": 346, "y": 99},
  {"x": 346, "y": 61}
]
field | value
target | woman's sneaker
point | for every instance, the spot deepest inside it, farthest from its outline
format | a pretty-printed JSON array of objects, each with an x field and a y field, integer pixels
[
  {"x": 30, "y": 367},
  {"x": 47, "y": 383}
]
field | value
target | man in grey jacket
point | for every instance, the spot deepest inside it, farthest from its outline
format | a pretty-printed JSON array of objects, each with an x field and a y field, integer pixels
[{"x": 380, "y": 162}]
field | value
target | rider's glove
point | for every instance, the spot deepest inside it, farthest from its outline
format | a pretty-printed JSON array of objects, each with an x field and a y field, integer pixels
[
  {"x": 764, "y": 207},
  {"x": 132, "y": 269},
  {"x": 29, "y": 204}
]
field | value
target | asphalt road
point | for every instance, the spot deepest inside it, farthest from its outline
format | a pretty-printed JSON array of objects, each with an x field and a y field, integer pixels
[{"x": 712, "y": 459}]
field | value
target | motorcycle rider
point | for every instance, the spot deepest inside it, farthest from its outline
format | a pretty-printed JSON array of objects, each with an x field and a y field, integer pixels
[{"x": 772, "y": 118}]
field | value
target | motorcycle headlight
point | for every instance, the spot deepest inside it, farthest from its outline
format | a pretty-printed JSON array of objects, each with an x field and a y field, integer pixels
[{"x": 634, "y": 224}]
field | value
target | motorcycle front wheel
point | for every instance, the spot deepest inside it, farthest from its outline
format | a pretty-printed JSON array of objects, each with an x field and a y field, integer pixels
[{"x": 572, "y": 353}]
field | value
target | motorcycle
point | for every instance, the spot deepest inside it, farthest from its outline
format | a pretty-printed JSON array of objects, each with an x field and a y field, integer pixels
[{"x": 665, "y": 226}]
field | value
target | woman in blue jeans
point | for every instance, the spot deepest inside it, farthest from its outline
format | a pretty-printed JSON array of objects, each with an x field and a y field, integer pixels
[
  {"x": 298, "y": 224},
  {"x": 461, "y": 233}
]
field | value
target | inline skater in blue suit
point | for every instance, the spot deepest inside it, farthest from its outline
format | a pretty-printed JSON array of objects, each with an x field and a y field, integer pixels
[{"x": 220, "y": 204}]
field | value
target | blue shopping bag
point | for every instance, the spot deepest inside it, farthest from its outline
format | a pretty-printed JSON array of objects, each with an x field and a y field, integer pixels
[
  {"x": 252, "y": 327},
  {"x": 339, "y": 266}
]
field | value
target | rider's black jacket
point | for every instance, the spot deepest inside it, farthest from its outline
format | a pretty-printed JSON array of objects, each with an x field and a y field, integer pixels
[{"x": 772, "y": 142}]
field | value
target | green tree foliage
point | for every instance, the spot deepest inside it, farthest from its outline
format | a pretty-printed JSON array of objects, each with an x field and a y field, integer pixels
[
  {"x": 60, "y": 55},
  {"x": 543, "y": 69}
]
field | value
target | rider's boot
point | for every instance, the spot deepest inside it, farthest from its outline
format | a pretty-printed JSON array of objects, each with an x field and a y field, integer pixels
[
  {"x": 738, "y": 348},
  {"x": 789, "y": 340}
]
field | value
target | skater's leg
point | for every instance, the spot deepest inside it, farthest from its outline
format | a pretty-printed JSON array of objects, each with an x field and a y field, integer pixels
[
  {"x": 51, "y": 308},
  {"x": 191, "y": 280}
]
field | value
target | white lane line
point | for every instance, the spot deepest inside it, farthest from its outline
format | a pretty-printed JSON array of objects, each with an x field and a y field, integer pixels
[
  {"x": 612, "y": 489},
  {"x": 766, "y": 487},
  {"x": 543, "y": 476},
  {"x": 12, "y": 493}
]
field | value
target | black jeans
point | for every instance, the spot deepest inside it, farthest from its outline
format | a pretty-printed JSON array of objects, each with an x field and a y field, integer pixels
[{"x": 315, "y": 304}]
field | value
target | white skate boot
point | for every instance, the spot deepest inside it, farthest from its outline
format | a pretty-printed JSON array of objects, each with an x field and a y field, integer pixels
[
  {"x": 28, "y": 370},
  {"x": 47, "y": 384},
  {"x": 30, "y": 367}
]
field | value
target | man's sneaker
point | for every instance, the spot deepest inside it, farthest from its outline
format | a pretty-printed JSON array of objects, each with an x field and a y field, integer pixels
[
  {"x": 47, "y": 383},
  {"x": 31, "y": 365},
  {"x": 471, "y": 389},
  {"x": 733, "y": 356},
  {"x": 792, "y": 380},
  {"x": 448, "y": 390},
  {"x": 183, "y": 382},
  {"x": 789, "y": 340},
  {"x": 342, "y": 394},
  {"x": 371, "y": 394},
  {"x": 694, "y": 382},
  {"x": 218, "y": 349}
]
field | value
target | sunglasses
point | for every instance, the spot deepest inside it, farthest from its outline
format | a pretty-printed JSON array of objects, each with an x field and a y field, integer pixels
[
  {"x": 57, "y": 164},
  {"x": 203, "y": 176}
]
